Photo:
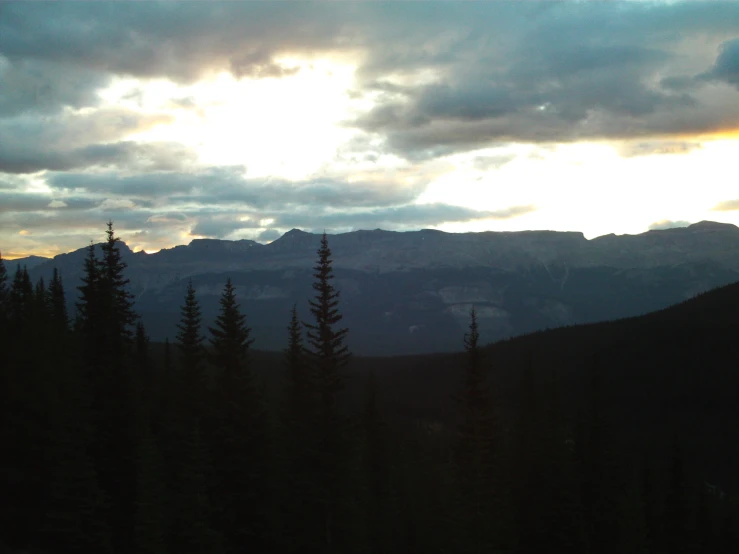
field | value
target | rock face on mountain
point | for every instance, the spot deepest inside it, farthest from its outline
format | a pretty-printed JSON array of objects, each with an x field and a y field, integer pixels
[{"x": 411, "y": 292}]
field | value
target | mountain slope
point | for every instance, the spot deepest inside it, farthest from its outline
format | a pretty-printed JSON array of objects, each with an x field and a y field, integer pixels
[{"x": 411, "y": 292}]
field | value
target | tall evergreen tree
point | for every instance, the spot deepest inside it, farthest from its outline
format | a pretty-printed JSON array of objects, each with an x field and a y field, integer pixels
[
  {"x": 88, "y": 317},
  {"x": 230, "y": 337},
  {"x": 297, "y": 381},
  {"x": 298, "y": 417},
  {"x": 479, "y": 511},
  {"x": 190, "y": 345},
  {"x": 3, "y": 290},
  {"x": 20, "y": 301},
  {"x": 327, "y": 355},
  {"x": 326, "y": 344},
  {"x": 117, "y": 299},
  {"x": 238, "y": 433},
  {"x": 105, "y": 319},
  {"x": 58, "y": 304}
]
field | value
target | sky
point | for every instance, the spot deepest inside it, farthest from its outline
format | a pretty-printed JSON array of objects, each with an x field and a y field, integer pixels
[{"x": 243, "y": 120}]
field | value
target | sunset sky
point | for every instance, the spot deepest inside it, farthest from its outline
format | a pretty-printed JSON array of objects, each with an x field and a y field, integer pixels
[{"x": 246, "y": 119}]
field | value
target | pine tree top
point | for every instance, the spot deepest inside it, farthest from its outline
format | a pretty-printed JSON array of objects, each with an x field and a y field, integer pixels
[
  {"x": 188, "y": 336},
  {"x": 3, "y": 274},
  {"x": 230, "y": 334}
]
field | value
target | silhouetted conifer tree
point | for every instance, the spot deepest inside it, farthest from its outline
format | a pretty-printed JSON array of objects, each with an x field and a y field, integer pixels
[
  {"x": 21, "y": 298},
  {"x": 230, "y": 338},
  {"x": 297, "y": 381},
  {"x": 3, "y": 290},
  {"x": 479, "y": 509},
  {"x": 190, "y": 345},
  {"x": 115, "y": 296},
  {"x": 239, "y": 441},
  {"x": 327, "y": 355},
  {"x": 57, "y": 304},
  {"x": 105, "y": 319}
]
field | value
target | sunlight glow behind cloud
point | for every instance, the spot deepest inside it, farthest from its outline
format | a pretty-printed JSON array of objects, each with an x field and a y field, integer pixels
[{"x": 491, "y": 116}]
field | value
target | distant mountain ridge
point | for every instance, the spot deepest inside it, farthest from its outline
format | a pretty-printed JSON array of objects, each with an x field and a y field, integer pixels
[
  {"x": 410, "y": 292},
  {"x": 398, "y": 250}
]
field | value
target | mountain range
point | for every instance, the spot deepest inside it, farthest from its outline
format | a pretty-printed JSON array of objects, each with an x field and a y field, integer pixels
[{"x": 411, "y": 292}]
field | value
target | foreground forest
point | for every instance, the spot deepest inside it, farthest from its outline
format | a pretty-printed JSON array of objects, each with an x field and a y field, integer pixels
[{"x": 611, "y": 438}]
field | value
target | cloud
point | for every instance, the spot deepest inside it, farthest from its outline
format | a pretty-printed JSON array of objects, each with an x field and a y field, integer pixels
[
  {"x": 29, "y": 144},
  {"x": 667, "y": 224},
  {"x": 726, "y": 206},
  {"x": 726, "y": 67},
  {"x": 225, "y": 224},
  {"x": 158, "y": 38},
  {"x": 268, "y": 235},
  {"x": 33, "y": 202},
  {"x": 44, "y": 87},
  {"x": 406, "y": 217},
  {"x": 573, "y": 71},
  {"x": 220, "y": 226},
  {"x": 127, "y": 156},
  {"x": 431, "y": 79},
  {"x": 485, "y": 163},
  {"x": 632, "y": 148},
  {"x": 228, "y": 186}
]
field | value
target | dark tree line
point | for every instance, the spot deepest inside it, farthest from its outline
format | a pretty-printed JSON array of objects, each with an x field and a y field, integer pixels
[{"x": 114, "y": 445}]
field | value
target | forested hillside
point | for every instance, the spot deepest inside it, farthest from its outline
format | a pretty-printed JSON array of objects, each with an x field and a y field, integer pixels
[{"x": 609, "y": 438}]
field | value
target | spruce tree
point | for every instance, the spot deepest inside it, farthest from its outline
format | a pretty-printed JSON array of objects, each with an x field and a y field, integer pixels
[
  {"x": 327, "y": 350},
  {"x": 238, "y": 429},
  {"x": 297, "y": 382},
  {"x": 479, "y": 511},
  {"x": 230, "y": 337},
  {"x": 105, "y": 319},
  {"x": 3, "y": 291},
  {"x": 88, "y": 317},
  {"x": 57, "y": 304},
  {"x": 22, "y": 428},
  {"x": 190, "y": 345},
  {"x": 118, "y": 301},
  {"x": 327, "y": 355},
  {"x": 20, "y": 300},
  {"x": 298, "y": 457}
]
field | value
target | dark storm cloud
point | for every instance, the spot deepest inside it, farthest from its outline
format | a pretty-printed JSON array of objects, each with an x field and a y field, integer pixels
[{"x": 726, "y": 206}]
